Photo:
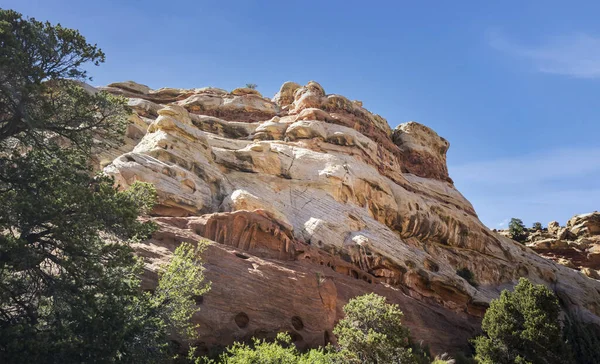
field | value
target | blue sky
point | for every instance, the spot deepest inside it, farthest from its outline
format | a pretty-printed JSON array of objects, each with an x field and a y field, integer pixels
[{"x": 513, "y": 85}]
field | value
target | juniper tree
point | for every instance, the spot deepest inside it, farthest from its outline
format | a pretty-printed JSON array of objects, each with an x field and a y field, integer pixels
[
  {"x": 523, "y": 327},
  {"x": 69, "y": 281},
  {"x": 516, "y": 229}
]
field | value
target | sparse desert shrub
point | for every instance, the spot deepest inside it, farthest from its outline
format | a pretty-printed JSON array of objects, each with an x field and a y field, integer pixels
[
  {"x": 516, "y": 229},
  {"x": 537, "y": 226},
  {"x": 252, "y": 86},
  {"x": 467, "y": 275}
]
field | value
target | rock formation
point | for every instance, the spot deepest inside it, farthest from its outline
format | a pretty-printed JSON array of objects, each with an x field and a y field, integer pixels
[
  {"x": 577, "y": 245},
  {"x": 310, "y": 200}
]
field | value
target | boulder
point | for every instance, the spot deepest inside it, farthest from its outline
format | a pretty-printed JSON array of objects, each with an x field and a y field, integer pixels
[
  {"x": 585, "y": 224},
  {"x": 285, "y": 96},
  {"x": 245, "y": 91},
  {"x": 553, "y": 227},
  {"x": 565, "y": 234},
  {"x": 131, "y": 87},
  {"x": 423, "y": 151}
]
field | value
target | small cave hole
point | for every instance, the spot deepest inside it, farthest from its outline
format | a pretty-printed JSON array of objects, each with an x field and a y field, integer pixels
[
  {"x": 431, "y": 265},
  {"x": 354, "y": 274},
  {"x": 297, "y": 323},
  {"x": 242, "y": 320},
  {"x": 241, "y": 256},
  {"x": 198, "y": 299},
  {"x": 262, "y": 334}
]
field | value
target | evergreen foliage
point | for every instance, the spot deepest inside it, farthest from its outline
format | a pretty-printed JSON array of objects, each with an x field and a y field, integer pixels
[
  {"x": 371, "y": 333},
  {"x": 179, "y": 283},
  {"x": 280, "y": 351},
  {"x": 522, "y": 327},
  {"x": 516, "y": 229},
  {"x": 467, "y": 275},
  {"x": 69, "y": 281},
  {"x": 583, "y": 338}
]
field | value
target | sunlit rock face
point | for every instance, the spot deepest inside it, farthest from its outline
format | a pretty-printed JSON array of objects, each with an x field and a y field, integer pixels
[
  {"x": 576, "y": 245},
  {"x": 310, "y": 200}
]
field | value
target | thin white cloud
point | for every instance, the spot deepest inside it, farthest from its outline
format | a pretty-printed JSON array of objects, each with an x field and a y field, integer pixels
[
  {"x": 576, "y": 55},
  {"x": 527, "y": 169},
  {"x": 502, "y": 224},
  {"x": 548, "y": 185}
]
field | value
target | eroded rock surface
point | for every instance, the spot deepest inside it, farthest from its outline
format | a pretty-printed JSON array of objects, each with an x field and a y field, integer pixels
[
  {"x": 310, "y": 200},
  {"x": 576, "y": 245}
]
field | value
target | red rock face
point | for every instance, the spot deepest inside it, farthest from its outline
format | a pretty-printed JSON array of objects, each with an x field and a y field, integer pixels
[
  {"x": 422, "y": 151},
  {"x": 309, "y": 200},
  {"x": 260, "y": 289}
]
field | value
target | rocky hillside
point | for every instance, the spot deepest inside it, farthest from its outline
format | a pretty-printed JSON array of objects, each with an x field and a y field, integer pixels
[
  {"x": 575, "y": 245},
  {"x": 310, "y": 199}
]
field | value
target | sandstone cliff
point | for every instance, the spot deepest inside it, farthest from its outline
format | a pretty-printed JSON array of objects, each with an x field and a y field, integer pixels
[
  {"x": 310, "y": 200},
  {"x": 576, "y": 245}
]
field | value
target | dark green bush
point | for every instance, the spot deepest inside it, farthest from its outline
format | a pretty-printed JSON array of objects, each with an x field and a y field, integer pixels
[
  {"x": 522, "y": 327},
  {"x": 467, "y": 275},
  {"x": 583, "y": 339},
  {"x": 516, "y": 229}
]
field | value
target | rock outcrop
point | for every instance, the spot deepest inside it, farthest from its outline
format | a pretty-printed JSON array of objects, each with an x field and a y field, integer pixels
[
  {"x": 310, "y": 200},
  {"x": 577, "y": 245}
]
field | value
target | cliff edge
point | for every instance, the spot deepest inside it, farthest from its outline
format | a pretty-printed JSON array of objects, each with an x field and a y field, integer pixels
[{"x": 310, "y": 200}]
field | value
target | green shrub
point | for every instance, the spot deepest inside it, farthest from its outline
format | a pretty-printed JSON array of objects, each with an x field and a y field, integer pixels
[
  {"x": 370, "y": 333},
  {"x": 522, "y": 327},
  {"x": 462, "y": 358},
  {"x": 516, "y": 229},
  {"x": 467, "y": 275},
  {"x": 583, "y": 339}
]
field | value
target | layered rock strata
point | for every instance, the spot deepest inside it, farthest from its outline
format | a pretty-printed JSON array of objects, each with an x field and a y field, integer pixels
[
  {"x": 576, "y": 245},
  {"x": 309, "y": 200}
]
